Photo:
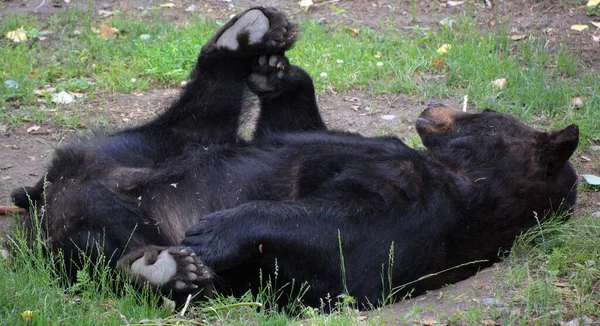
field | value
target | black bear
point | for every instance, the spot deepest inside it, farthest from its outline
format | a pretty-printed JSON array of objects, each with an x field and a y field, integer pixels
[{"x": 175, "y": 200}]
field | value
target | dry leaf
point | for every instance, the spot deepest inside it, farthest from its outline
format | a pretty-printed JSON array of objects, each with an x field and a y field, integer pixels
[
  {"x": 10, "y": 146},
  {"x": 108, "y": 32},
  {"x": 499, "y": 83},
  {"x": 168, "y": 5},
  {"x": 306, "y": 3},
  {"x": 426, "y": 322},
  {"x": 27, "y": 315},
  {"x": 438, "y": 63},
  {"x": 105, "y": 13},
  {"x": 138, "y": 94},
  {"x": 579, "y": 28},
  {"x": 352, "y": 31},
  {"x": 518, "y": 37},
  {"x": 597, "y": 24},
  {"x": 562, "y": 284},
  {"x": 33, "y": 128},
  {"x": 16, "y": 36},
  {"x": 593, "y": 3},
  {"x": 488, "y": 322},
  {"x": 40, "y": 92},
  {"x": 577, "y": 102},
  {"x": 444, "y": 49},
  {"x": 5, "y": 167}
]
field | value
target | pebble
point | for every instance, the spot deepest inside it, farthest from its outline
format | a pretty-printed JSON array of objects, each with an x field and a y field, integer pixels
[
  {"x": 191, "y": 8},
  {"x": 322, "y": 21},
  {"x": 145, "y": 37},
  {"x": 388, "y": 117},
  {"x": 595, "y": 148}
]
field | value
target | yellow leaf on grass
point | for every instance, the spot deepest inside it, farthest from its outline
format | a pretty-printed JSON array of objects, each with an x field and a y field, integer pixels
[
  {"x": 352, "y": 31},
  {"x": 16, "y": 36},
  {"x": 426, "y": 322},
  {"x": 593, "y": 3},
  {"x": 27, "y": 315},
  {"x": 444, "y": 49},
  {"x": 306, "y": 3},
  {"x": 108, "y": 32},
  {"x": 579, "y": 27}
]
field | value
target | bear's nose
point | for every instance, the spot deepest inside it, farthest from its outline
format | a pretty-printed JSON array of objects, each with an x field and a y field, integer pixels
[{"x": 437, "y": 119}]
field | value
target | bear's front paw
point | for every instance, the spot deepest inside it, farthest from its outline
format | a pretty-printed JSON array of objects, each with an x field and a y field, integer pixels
[{"x": 221, "y": 240}]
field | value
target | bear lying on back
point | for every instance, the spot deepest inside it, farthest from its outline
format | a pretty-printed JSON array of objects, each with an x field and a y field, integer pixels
[{"x": 176, "y": 200}]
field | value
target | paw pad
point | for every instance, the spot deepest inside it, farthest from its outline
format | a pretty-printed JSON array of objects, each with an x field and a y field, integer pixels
[{"x": 253, "y": 23}]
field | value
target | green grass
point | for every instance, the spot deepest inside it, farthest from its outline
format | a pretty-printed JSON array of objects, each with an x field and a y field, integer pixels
[
  {"x": 34, "y": 293},
  {"x": 540, "y": 85},
  {"x": 552, "y": 275}
]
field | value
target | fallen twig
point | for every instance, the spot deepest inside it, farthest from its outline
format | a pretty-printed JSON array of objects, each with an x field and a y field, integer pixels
[
  {"x": 325, "y": 3},
  {"x": 5, "y": 210},
  {"x": 41, "y": 5},
  {"x": 186, "y": 305}
]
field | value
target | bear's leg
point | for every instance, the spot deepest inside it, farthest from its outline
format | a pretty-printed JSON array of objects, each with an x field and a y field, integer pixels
[
  {"x": 209, "y": 108},
  {"x": 287, "y": 97},
  {"x": 301, "y": 237}
]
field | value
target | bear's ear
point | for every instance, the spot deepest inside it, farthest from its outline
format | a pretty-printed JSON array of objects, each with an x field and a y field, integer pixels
[{"x": 557, "y": 147}]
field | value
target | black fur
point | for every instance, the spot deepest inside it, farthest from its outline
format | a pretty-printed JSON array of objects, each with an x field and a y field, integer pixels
[{"x": 296, "y": 192}]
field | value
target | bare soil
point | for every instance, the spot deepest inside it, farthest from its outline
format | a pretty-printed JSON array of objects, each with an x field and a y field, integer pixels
[{"x": 24, "y": 156}]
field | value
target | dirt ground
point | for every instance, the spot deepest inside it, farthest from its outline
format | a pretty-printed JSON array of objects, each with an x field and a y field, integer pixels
[{"x": 23, "y": 155}]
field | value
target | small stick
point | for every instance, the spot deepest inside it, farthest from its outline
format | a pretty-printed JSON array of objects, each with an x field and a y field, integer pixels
[
  {"x": 325, "y": 3},
  {"x": 41, "y": 5},
  {"x": 187, "y": 303},
  {"x": 465, "y": 103},
  {"x": 5, "y": 210}
]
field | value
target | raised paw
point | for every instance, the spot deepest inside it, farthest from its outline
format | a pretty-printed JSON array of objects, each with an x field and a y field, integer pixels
[
  {"x": 256, "y": 30},
  {"x": 174, "y": 270},
  {"x": 268, "y": 73}
]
